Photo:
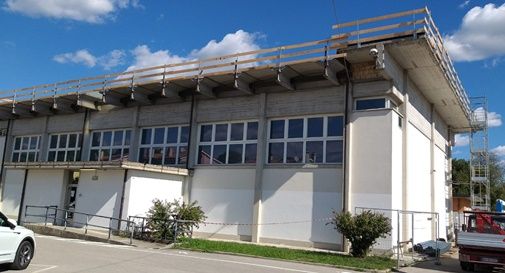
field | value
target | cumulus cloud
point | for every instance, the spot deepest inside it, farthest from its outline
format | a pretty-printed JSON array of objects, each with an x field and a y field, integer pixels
[
  {"x": 480, "y": 36},
  {"x": 493, "y": 118},
  {"x": 461, "y": 140},
  {"x": 499, "y": 151},
  {"x": 464, "y": 4},
  {"x": 112, "y": 59},
  {"x": 95, "y": 11}
]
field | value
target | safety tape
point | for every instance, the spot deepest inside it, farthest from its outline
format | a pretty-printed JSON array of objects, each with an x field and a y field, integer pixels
[{"x": 259, "y": 224}]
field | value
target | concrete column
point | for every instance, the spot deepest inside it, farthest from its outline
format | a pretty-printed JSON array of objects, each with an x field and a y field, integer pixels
[
  {"x": 86, "y": 136},
  {"x": 432, "y": 168},
  {"x": 192, "y": 150},
  {"x": 135, "y": 136},
  {"x": 44, "y": 142},
  {"x": 8, "y": 158},
  {"x": 260, "y": 164},
  {"x": 405, "y": 178},
  {"x": 347, "y": 185}
]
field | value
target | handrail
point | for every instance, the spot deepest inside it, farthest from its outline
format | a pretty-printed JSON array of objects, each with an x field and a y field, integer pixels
[{"x": 86, "y": 224}]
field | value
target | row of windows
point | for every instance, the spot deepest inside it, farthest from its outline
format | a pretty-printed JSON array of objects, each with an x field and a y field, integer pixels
[{"x": 296, "y": 140}]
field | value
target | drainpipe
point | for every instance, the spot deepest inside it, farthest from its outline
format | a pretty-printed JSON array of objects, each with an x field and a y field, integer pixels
[
  {"x": 81, "y": 141},
  {"x": 22, "y": 203},
  {"x": 190, "y": 132},
  {"x": 345, "y": 150},
  {"x": 3, "y": 155},
  {"x": 121, "y": 206}
]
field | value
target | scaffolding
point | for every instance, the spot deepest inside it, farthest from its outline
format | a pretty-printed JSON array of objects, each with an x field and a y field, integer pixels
[{"x": 479, "y": 155}]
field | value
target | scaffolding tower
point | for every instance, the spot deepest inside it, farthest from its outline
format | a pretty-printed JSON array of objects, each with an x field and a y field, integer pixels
[{"x": 479, "y": 155}]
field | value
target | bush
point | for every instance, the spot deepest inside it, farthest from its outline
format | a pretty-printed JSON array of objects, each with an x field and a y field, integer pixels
[
  {"x": 164, "y": 219},
  {"x": 361, "y": 230}
]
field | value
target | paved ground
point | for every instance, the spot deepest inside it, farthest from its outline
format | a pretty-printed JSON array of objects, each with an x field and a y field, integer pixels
[{"x": 56, "y": 254}]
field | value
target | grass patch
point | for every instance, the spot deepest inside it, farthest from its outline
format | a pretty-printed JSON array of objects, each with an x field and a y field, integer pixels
[{"x": 371, "y": 262}]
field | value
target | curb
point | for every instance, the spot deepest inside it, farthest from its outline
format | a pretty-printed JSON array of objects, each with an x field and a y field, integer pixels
[{"x": 71, "y": 235}]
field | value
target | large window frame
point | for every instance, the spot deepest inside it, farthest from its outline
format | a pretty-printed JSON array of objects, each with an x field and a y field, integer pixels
[
  {"x": 304, "y": 142},
  {"x": 28, "y": 153},
  {"x": 56, "y": 153},
  {"x": 247, "y": 145},
  {"x": 101, "y": 151},
  {"x": 153, "y": 146}
]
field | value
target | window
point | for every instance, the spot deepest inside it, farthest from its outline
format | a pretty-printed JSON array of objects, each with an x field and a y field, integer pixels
[
  {"x": 26, "y": 149},
  {"x": 164, "y": 145},
  {"x": 64, "y": 147},
  {"x": 377, "y": 103},
  {"x": 228, "y": 143},
  {"x": 110, "y": 145},
  {"x": 306, "y": 140}
]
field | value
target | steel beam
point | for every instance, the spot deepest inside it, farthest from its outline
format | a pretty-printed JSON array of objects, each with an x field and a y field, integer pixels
[
  {"x": 204, "y": 89},
  {"x": 284, "y": 80},
  {"x": 242, "y": 85}
]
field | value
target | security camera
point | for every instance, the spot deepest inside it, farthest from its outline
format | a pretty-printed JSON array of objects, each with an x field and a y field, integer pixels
[{"x": 374, "y": 52}]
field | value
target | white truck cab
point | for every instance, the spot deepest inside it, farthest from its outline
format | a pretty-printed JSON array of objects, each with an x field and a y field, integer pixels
[{"x": 17, "y": 244}]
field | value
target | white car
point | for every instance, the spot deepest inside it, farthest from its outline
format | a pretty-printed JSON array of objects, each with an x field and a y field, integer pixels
[{"x": 17, "y": 244}]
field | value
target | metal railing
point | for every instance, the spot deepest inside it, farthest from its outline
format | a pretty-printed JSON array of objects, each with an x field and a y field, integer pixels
[
  {"x": 172, "y": 228},
  {"x": 67, "y": 217}
]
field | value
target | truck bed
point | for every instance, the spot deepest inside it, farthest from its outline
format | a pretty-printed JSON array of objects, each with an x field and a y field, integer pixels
[{"x": 481, "y": 240}]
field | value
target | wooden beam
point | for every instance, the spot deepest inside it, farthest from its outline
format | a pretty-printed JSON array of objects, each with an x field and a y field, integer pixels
[
  {"x": 204, "y": 89},
  {"x": 242, "y": 85},
  {"x": 284, "y": 80},
  {"x": 86, "y": 102}
]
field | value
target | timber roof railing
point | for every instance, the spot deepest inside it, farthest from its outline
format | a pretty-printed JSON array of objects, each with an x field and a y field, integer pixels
[{"x": 409, "y": 24}]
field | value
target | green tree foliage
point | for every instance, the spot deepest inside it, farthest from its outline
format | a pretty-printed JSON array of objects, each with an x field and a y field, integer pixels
[
  {"x": 461, "y": 176},
  {"x": 361, "y": 230},
  {"x": 165, "y": 219}
]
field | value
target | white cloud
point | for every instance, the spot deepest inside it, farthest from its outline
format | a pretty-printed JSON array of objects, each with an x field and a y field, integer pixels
[
  {"x": 464, "y": 4},
  {"x": 499, "y": 151},
  {"x": 144, "y": 57},
  {"x": 480, "y": 36},
  {"x": 493, "y": 118},
  {"x": 91, "y": 11},
  {"x": 110, "y": 60},
  {"x": 461, "y": 140},
  {"x": 79, "y": 57}
]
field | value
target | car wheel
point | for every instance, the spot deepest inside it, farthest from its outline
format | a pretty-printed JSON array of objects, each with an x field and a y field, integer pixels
[{"x": 23, "y": 256}]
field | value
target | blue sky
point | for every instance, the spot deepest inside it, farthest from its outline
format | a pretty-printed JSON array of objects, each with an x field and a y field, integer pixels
[{"x": 43, "y": 42}]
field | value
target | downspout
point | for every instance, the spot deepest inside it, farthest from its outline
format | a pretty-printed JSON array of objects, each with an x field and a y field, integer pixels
[
  {"x": 121, "y": 205},
  {"x": 83, "y": 131},
  {"x": 190, "y": 132},
  {"x": 346, "y": 156},
  {"x": 3, "y": 155},
  {"x": 22, "y": 203}
]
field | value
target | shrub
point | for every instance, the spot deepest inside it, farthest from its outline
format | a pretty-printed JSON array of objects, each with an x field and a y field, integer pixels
[
  {"x": 361, "y": 230},
  {"x": 162, "y": 216}
]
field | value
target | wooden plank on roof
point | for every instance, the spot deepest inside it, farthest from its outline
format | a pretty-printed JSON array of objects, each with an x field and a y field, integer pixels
[{"x": 380, "y": 18}]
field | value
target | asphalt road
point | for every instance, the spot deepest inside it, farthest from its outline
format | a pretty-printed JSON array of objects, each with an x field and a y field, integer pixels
[{"x": 55, "y": 254}]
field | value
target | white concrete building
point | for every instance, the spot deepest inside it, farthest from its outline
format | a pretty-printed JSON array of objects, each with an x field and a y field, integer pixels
[{"x": 273, "y": 140}]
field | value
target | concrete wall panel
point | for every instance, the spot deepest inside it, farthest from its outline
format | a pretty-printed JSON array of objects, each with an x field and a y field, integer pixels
[
  {"x": 236, "y": 108},
  {"x": 12, "y": 189},
  {"x": 28, "y": 126},
  {"x": 165, "y": 114},
  {"x": 121, "y": 118}
]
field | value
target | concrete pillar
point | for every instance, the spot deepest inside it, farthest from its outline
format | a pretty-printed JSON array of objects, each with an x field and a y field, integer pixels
[
  {"x": 192, "y": 149},
  {"x": 135, "y": 136},
  {"x": 260, "y": 164},
  {"x": 86, "y": 136},
  {"x": 7, "y": 158},
  {"x": 44, "y": 142},
  {"x": 405, "y": 178}
]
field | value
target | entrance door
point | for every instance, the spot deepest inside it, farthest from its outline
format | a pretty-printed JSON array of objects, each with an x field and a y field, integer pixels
[{"x": 72, "y": 193}]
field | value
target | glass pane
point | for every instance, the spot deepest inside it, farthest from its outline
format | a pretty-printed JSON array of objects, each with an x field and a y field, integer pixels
[
  {"x": 277, "y": 129},
  {"x": 22, "y": 157},
  {"x": 370, "y": 104},
  {"x": 183, "y": 154},
  {"x": 126, "y": 152},
  {"x": 53, "y": 142},
  {"x": 252, "y": 130},
  {"x": 31, "y": 156},
  {"x": 71, "y": 156},
  {"x": 95, "y": 142},
  {"x": 315, "y": 127},
  {"x": 204, "y": 154},
  {"x": 159, "y": 136},
  {"x": 172, "y": 134},
  {"x": 237, "y": 131},
  {"x": 314, "y": 153},
  {"x": 63, "y": 141},
  {"x": 118, "y": 138},
  {"x": 334, "y": 151},
  {"x": 15, "y": 157},
  {"x": 206, "y": 133},
  {"x": 116, "y": 154},
  {"x": 93, "y": 155},
  {"x": 127, "y": 136},
  {"x": 51, "y": 156},
  {"x": 219, "y": 154},
  {"x": 107, "y": 139},
  {"x": 78, "y": 155},
  {"x": 335, "y": 126},
  {"x": 294, "y": 152},
  {"x": 184, "y": 134},
  {"x": 104, "y": 155},
  {"x": 72, "y": 141},
  {"x": 170, "y": 155},
  {"x": 33, "y": 142},
  {"x": 24, "y": 145},
  {"x": 144, "y": 155},
  {"x": 295, "y": 128},
  {"x": 146, "y": 136},
  {"x": 250, "y": 153},
  {"x": 235, "y": 154},
  {"x": 17, "y": 143},
  {"x": 276, "y": 152},
  {"x": 221, "y": 132},
  {"x": 157, "y": 156},
  {"x": 60, "y": 156}
]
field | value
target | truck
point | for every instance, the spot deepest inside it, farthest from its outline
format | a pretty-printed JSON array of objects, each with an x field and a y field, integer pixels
[{"x": 481, "y": 240}]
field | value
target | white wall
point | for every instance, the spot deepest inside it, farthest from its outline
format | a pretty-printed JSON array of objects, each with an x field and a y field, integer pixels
[
  {"x": 301, "y": 195},
  {"x": 226, "y": 196},
  {"x": 143, "y": 187},
  {"x": 101, "y": 196},
  {"x": 440, "y": 191},
  {"x": 12, "y": 189}
]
